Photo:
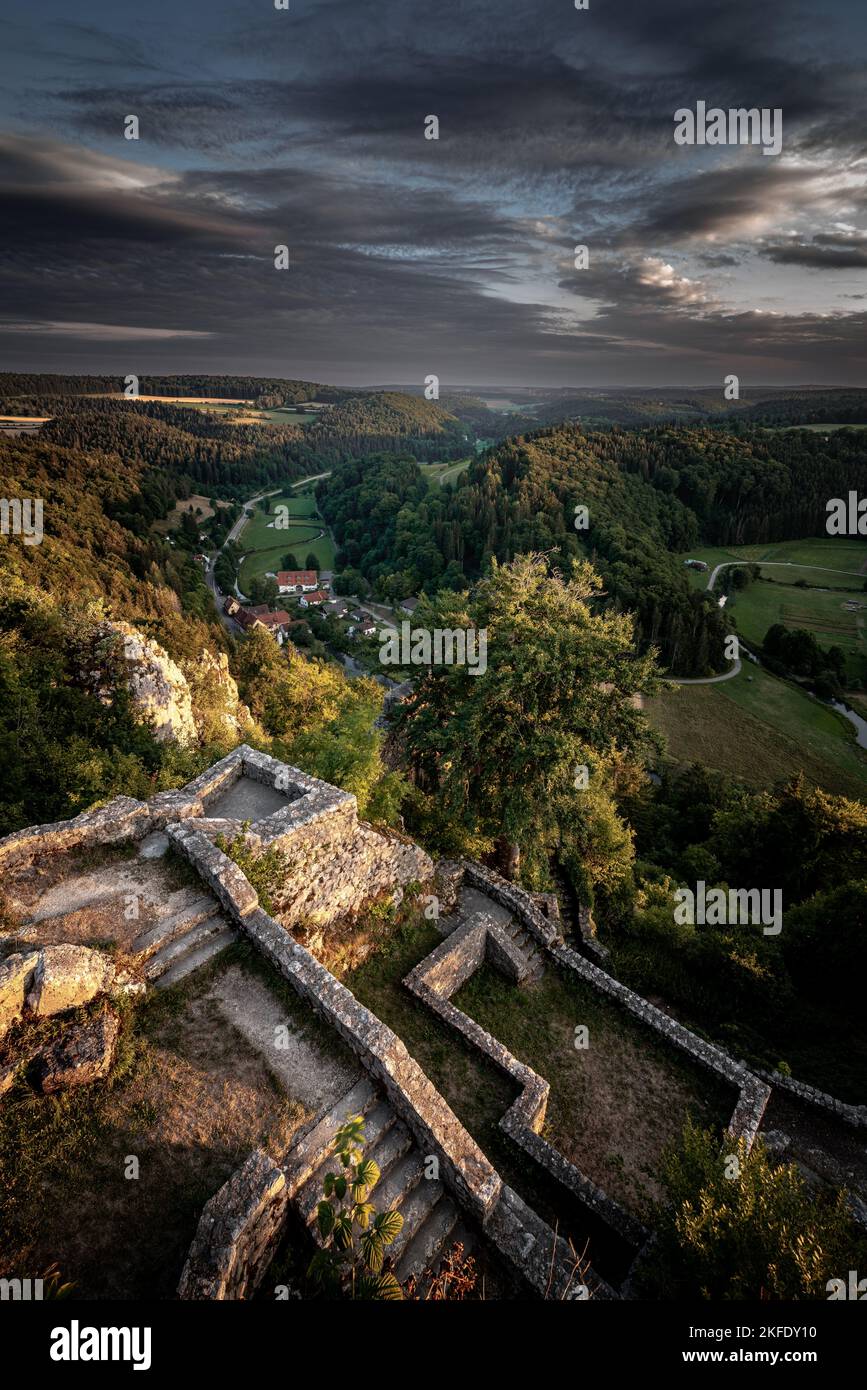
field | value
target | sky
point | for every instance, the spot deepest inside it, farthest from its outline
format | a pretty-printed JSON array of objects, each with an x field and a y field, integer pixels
[{"x": 305, "y": 127}]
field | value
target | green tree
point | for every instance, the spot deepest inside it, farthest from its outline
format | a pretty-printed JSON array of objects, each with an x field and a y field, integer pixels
[
  {"x": 504, "y": 747},
  {"x": 312, "y": 561}
]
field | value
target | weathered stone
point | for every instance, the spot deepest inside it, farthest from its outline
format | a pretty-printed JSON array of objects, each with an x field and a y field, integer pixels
[
  {"x": 16, "y": 978},
  {"x": 83, "y": 1054},
  {"x": 237, "y": 1233},
  {"x": 66, "y": 977}
]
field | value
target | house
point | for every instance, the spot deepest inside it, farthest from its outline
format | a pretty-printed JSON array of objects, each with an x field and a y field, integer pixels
[
  {"x": 408, "y": 605},
  {"x": 313, "y": 600},
  {"x": 336, "y": 608},
  {"x": 695, "y": 564},
  {"x": 365, "y": 629},
  {"x": 326, "y": 578},
  {"x": 279, "y": 624},
  {"x": 246, "y": 619},
  {"x": 296, "y": 581},
  {"x": 231, "y": 606},
  {"x": 357, "y": 616}
]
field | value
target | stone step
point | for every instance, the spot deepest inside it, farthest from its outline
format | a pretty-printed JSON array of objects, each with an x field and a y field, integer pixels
[
  {"x": 399, "y": 1181},
  {"x": 214, "y": 944},
  {"x": 430, "y": 1241},
  {"x": 313, "y": 1147},
  {"x": 170, "y": 927},
  {"x": 378, "y": 1122},
  {"x": 392, "y": 1147},
  {"x": 415, "y": 1208},
  {"x": 186, "y": 941}
]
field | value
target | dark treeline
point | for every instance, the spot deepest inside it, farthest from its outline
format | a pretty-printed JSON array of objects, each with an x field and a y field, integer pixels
[{"x": 265, "y": 391}]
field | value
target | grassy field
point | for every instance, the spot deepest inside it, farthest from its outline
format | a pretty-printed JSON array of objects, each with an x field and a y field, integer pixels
[
  {"x": 238, "y": 412},
  {"x": 761, "y": 730},
  {"x": 837, "y": 564},
  {"x": 265, "y": 545},
  {"x": 188, "y": 504},
  {"x": 447, "y": 472}
]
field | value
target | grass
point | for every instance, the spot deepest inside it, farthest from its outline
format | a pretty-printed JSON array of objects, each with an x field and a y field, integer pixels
[
  {"x": 446, "y": 472},
  {"x": 188, "y": 1097},
  {"x": 761, "y": 731},
  {"x": 818, "y": 611},
  {"x": 614, "y": 1105},
  {"x": 538, "y": 1024},
  {"x": 266, "y": 546},
  {"x": 836, "y": 552}
]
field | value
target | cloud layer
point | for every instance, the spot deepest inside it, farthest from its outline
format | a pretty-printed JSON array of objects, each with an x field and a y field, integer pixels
[{"x": 305, "y": 127}]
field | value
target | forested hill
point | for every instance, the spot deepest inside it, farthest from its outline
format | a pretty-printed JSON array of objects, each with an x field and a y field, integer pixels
[
  {"x": 650, "y": 493},
  {"x": 387, "y": 420}
]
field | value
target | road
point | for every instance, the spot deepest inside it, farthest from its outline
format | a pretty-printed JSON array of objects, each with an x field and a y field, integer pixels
[
  {"x": 727, "y": 564},
  {"x": 775, "y": 564},
  {"x": 219, "y": 597}
]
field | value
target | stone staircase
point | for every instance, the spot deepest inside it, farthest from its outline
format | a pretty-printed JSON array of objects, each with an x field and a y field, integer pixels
[
  {"x": 530, "y": 949},
  {"x": 431, "y": 1219},
  {"x": 181, "y": 942}
]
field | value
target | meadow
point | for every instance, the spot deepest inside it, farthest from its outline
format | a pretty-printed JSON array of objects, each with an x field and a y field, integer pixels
[
  {"x": 761, "y": 730},
  {"x": 265, "y": 545}
]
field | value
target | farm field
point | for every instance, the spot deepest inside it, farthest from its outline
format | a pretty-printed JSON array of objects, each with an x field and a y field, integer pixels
[
  {"x": 237, "y": 411},
  {"x": 761, "y": 731},
  {"x": 265, "y": 545},
  {"x": 196, "y": 501},
  {"x": 775, "y": 599}
]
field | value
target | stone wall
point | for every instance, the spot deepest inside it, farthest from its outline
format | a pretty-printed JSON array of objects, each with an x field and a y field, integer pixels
[
  {"x": 465, "y": 1168},
  {"x": 753, "y": 1092},
  {"x": 238, "y": 1233},
  {"x": 536, "y": 1255},
  {"x": 440, "y": 975}
]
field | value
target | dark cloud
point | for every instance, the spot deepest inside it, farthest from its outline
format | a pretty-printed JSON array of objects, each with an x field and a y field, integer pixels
[{"x": 454, "y": 256}]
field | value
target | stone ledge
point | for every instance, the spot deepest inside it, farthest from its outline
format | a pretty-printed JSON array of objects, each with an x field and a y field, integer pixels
[{"x": 238, "y": 1233}]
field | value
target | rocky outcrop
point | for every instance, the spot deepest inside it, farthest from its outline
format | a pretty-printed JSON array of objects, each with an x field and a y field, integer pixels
[
  {"x": 16, "y": 978},
  {"x": 67, "y": 977},
  {"x": 157, "y": 686},
  {"x": 84, "y": 1053}
]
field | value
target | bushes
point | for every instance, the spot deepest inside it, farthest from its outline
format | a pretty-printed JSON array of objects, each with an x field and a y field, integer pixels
[{"x": 735, "y": 1227}]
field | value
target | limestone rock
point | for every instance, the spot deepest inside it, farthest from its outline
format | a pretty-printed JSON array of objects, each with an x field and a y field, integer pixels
[
  {"x": 157, "y": 686},
  {"x": 16, "y": 977},
  {"x": 83, "y": 1054},
  {"x": 67, "y": 976}
]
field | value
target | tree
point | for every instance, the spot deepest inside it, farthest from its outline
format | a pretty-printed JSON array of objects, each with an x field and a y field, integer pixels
[
  {"x": 736, "y": 1227},
  {"x": 289, "y": 561},
  {"x": 503, "y": 746},
  {"x": 312, "y": 561},
  {"x": 342, "y": 1266},
  {"x": 262, "y": 589}
]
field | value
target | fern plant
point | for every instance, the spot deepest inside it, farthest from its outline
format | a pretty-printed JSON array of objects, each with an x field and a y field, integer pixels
[{"x": 355, "y": 1236}]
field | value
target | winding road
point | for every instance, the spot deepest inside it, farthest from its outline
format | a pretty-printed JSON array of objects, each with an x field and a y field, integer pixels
[
  {"x": 219, "y": 597},
  {"x": 737, "y": 564}
]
